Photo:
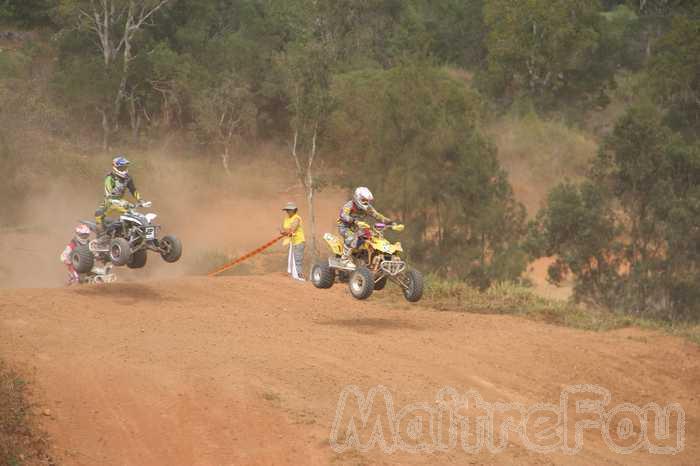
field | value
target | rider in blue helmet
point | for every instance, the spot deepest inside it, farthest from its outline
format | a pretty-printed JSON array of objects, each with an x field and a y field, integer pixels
[{"x": 116, "y": 183}]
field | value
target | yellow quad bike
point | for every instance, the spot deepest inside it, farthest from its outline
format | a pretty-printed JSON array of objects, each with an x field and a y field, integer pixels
[{"x": 376, "y": 260}]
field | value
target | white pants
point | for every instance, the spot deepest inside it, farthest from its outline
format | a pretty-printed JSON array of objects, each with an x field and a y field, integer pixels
[{"x": 295, "y": 260}]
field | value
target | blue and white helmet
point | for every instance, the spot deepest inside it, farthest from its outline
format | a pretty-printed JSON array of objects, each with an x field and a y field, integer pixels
[{"x": 120, "y": 166}]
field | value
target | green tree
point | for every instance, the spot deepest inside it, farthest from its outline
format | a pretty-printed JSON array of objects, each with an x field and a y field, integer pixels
[
  {"x": 621, "y": 45},
  {"x": 655, "y": 19},
  {"x": 674, "y": 70},
  {"x": 411, "y": 133},
  {"x": 27, "y": 13},
  {"x": 649, "y": 171},
  {"x": 579, "y": 228},
  {"x": 679, "y": 213},
  {"x": 457, "y": 31},
  {"x": 307, "y": 66},
  {"x": 543, "y": 49},
  {"x": 113, "y": 26},
  {"x": 630, "y": 233},
  {"x": 226, "y": 114}
]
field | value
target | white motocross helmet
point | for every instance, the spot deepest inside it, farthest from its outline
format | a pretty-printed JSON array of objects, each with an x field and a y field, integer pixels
[
  {"x": 82, "y": 233},
  {"x": 362, "y": 198}
]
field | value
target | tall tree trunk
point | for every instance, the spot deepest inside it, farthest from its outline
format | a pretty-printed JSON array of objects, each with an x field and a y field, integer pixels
[
  {"x": 310, "y": 195},
  {"x": 105, "y": 129},
  {"x": 121, "y": 93},
  {"x": 482, "y": 258},
  {"x": 134, "y": 118},
  {"x": 103, "y": 18},
  {"x": 305, "y": 174},
  {"x": 225, "y": 157},
  {"x": 310, "y": 192}
]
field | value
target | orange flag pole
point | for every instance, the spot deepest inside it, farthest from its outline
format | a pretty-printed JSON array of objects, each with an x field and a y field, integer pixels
[{"x": 247, "y": 256}]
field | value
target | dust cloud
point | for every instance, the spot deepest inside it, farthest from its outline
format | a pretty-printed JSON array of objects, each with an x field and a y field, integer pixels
[{"x": 214, "y": 213}]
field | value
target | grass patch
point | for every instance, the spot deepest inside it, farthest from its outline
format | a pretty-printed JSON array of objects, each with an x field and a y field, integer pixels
[
  {"x": 21, "y": 443},
  {"x": 688, "y": 330},
  {"x": 514, "y": 299}
]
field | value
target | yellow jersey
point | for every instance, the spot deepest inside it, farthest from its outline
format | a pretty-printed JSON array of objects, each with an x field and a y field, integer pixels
[{"x": 298, "y": 236}]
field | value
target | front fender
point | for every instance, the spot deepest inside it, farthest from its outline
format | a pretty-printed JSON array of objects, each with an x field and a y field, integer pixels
[{"x": 386, "y": 247}]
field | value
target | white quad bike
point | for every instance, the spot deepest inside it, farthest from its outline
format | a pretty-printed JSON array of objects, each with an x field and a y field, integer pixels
[
  {"x": 91, "y": 266},
  {"x": 375, "y": 261},
  {"x": 127, "y": 241}
]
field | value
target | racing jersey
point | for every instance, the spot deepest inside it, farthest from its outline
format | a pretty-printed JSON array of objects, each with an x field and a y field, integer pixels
[{"x": 350, "y": 214}]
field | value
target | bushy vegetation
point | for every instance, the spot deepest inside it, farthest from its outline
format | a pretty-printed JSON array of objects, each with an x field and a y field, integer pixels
[
  {"x": 412, "y": 117},
  {"x": 20, "y": 441},
  {"x": 630, "y": 233},
  {"x": 510, "y": 298},
  {"x": 518, "y": 299},
  {"x": 361, "y": 93}
]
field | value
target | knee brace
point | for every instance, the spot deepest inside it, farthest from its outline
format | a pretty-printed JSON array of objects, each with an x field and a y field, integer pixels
[{"x": 351, "y": 240}]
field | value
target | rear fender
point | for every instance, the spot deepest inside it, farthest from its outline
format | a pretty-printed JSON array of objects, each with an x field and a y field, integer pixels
[{"x": 334, "y": 243}]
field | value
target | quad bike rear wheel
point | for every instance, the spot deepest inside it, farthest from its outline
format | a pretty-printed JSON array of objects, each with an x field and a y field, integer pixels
[
  {"x": 361, "y": 283},
  {"x": 119, "y": 251},
  {"x": 413, "y": 291},
  {"x": 322, "y": 275},
  {"x": 82, "y": 258},
  {"x": 138, "y": 259},
  {"x": 170, "y": 248}
]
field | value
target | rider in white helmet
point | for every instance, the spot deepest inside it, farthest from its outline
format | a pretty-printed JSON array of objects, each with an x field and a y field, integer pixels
[
  {"x": 359, "y": 207},
  {"x": 81, "y": 237}
]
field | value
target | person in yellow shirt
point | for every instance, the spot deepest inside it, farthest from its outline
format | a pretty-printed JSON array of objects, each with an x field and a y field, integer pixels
[{"x": 293, "y": 229}]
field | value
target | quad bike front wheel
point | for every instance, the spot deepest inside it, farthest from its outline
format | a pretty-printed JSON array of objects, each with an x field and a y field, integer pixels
[
  {"x": 322, "y": 275},
  {"x": 119, "y": 251},
  {"x": 413, "y": 289},
  {"x": 82, "y": 258},
  {"x": 361, "y": 283},
  {"x": 170, "y": 248}
]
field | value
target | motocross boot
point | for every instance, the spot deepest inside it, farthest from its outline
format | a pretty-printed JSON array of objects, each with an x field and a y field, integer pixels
[{"x": 346, "y": 258}]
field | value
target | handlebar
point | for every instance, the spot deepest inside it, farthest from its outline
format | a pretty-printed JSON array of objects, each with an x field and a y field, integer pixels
[
  {"x": 391, "y": 226},
  {"x": 145, "y": 204}
]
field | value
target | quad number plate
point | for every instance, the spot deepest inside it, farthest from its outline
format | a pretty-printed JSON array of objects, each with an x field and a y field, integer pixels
[{"x": 150, "y": 233}]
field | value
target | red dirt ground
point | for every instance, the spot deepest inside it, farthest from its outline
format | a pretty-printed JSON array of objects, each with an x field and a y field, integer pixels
[{"x": 248, "y": 371}]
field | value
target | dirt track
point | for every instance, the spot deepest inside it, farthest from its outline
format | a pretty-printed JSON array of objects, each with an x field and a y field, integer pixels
[{"x": 248, "y": 370}]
